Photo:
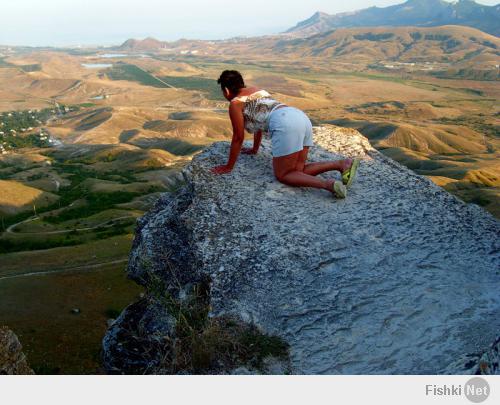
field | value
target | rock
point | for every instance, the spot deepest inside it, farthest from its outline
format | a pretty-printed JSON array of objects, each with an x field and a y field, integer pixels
[
  {"x": 138, "y": 340},
  {"x": 270, "y": 366},
  {"x": 483, "y": 362},
  {"x": 275, "y": 366},
  {"x": 242, "y": 371},
  {"x": 12, "y": 359},
  {"x": 399, "y": 278}
]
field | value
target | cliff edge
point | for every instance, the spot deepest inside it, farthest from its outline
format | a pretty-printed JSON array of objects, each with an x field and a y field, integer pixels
[{"x": 399, "y": 278}]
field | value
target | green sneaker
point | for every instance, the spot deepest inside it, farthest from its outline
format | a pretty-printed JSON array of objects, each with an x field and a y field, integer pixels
[
  {"x": 339, "y": 190},
  {"x": 349, "y": 174}
]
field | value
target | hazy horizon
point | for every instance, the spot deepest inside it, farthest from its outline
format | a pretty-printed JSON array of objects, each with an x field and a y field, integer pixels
[{"x": 110, "y": 22}]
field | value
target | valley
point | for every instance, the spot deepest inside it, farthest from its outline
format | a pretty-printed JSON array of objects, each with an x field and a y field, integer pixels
[{"x": 99, "y": 134}]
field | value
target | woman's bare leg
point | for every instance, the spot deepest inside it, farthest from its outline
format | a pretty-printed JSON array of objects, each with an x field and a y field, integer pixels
[
  {"x": 290, "y": 170},
  {"x": 314, "y": 169}
]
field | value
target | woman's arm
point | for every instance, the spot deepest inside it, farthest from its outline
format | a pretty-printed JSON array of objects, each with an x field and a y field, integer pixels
[
  {"x": 257, "y": 138},
  {"x": 236, "y": 115}
]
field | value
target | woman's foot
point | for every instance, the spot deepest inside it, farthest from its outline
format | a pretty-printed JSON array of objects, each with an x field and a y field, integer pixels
[
  {"x": 337, "y": 189},
  {"x": 349, "y": 173}
]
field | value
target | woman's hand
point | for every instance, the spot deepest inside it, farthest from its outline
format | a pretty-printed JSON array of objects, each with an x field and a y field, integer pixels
[
  {"x": 224, "y": 169},
  {"x": 249, "y": 151}
]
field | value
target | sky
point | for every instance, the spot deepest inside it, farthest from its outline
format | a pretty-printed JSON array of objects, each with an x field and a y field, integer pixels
[{"x": 110, "y": 22}]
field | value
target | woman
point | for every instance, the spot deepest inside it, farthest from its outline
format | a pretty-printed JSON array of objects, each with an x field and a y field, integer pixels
[{"x": 290, "y": 129}]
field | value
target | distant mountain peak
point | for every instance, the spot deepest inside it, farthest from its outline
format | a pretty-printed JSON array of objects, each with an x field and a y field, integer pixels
[
  {"x": 148, "y": 43},
  {"x": 419, "y": 2},
  {"x": 318, "y": 20},
  {"x": 320, "y": 14},
  {"x": 420, "y": 13}
]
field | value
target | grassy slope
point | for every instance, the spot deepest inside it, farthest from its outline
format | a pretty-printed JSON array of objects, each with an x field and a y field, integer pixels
[
  {"x": 16, "y": 198},
  {"x": 54, "y": 339}
]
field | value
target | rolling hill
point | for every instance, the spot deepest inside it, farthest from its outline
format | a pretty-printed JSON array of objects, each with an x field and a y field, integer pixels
[
  {"x": 422, "y": 13},
  {"x": 145, "y": 44},
  {"x": 403, "y": 44},
  {"x": 444, "y": 44}
]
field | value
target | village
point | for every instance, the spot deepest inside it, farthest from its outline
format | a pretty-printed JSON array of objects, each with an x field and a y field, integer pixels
[{"x": 22, "y": 129}]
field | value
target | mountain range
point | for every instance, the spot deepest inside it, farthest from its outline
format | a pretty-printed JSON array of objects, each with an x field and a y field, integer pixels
[
  {"x": 419, "y": 13},
  {"x": 447, "y": 44}
]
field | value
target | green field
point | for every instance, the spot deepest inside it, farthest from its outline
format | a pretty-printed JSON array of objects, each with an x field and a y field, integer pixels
[
  {"x": 208, "y": 86},
  {"x": 77, "y": 290},
  {"x": 125, "y": 71},
  {"x": 468, "y": 74}
]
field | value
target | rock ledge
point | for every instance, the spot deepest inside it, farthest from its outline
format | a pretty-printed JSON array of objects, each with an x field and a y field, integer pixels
[{"x": 399, "y": 278}]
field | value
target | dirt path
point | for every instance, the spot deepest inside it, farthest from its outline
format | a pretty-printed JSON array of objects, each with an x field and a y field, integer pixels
[
  {"x": 10, "y": 229},
  {"x": 63, "y": 270}
]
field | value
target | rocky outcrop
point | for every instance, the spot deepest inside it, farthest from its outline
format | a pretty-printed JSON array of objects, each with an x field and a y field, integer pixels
[
  {"x": 399, "y": 278},
  {"x": 12, "y": 359}
]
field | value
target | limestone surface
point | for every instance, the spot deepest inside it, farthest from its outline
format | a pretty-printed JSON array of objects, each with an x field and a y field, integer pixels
[{"x": 399, "y": 278}]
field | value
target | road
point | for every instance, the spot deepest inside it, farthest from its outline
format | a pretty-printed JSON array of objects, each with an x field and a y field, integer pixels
[
  {"x": 105, "y": 224},
  {"x": 63, "y": 270}
]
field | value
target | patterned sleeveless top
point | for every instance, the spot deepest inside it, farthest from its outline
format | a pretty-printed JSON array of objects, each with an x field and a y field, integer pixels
[{"x": 258, "y": 108}]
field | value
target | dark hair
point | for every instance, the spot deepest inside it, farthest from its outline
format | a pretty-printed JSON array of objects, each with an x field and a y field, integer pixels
[{"x": 231, "y": 79}]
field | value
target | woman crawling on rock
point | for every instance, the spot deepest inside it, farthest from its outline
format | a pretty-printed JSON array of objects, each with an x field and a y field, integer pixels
[{"x": 290, "y": 129}]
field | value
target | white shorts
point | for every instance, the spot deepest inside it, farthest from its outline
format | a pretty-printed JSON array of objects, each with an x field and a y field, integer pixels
[{"x": 290, "y": 130}]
